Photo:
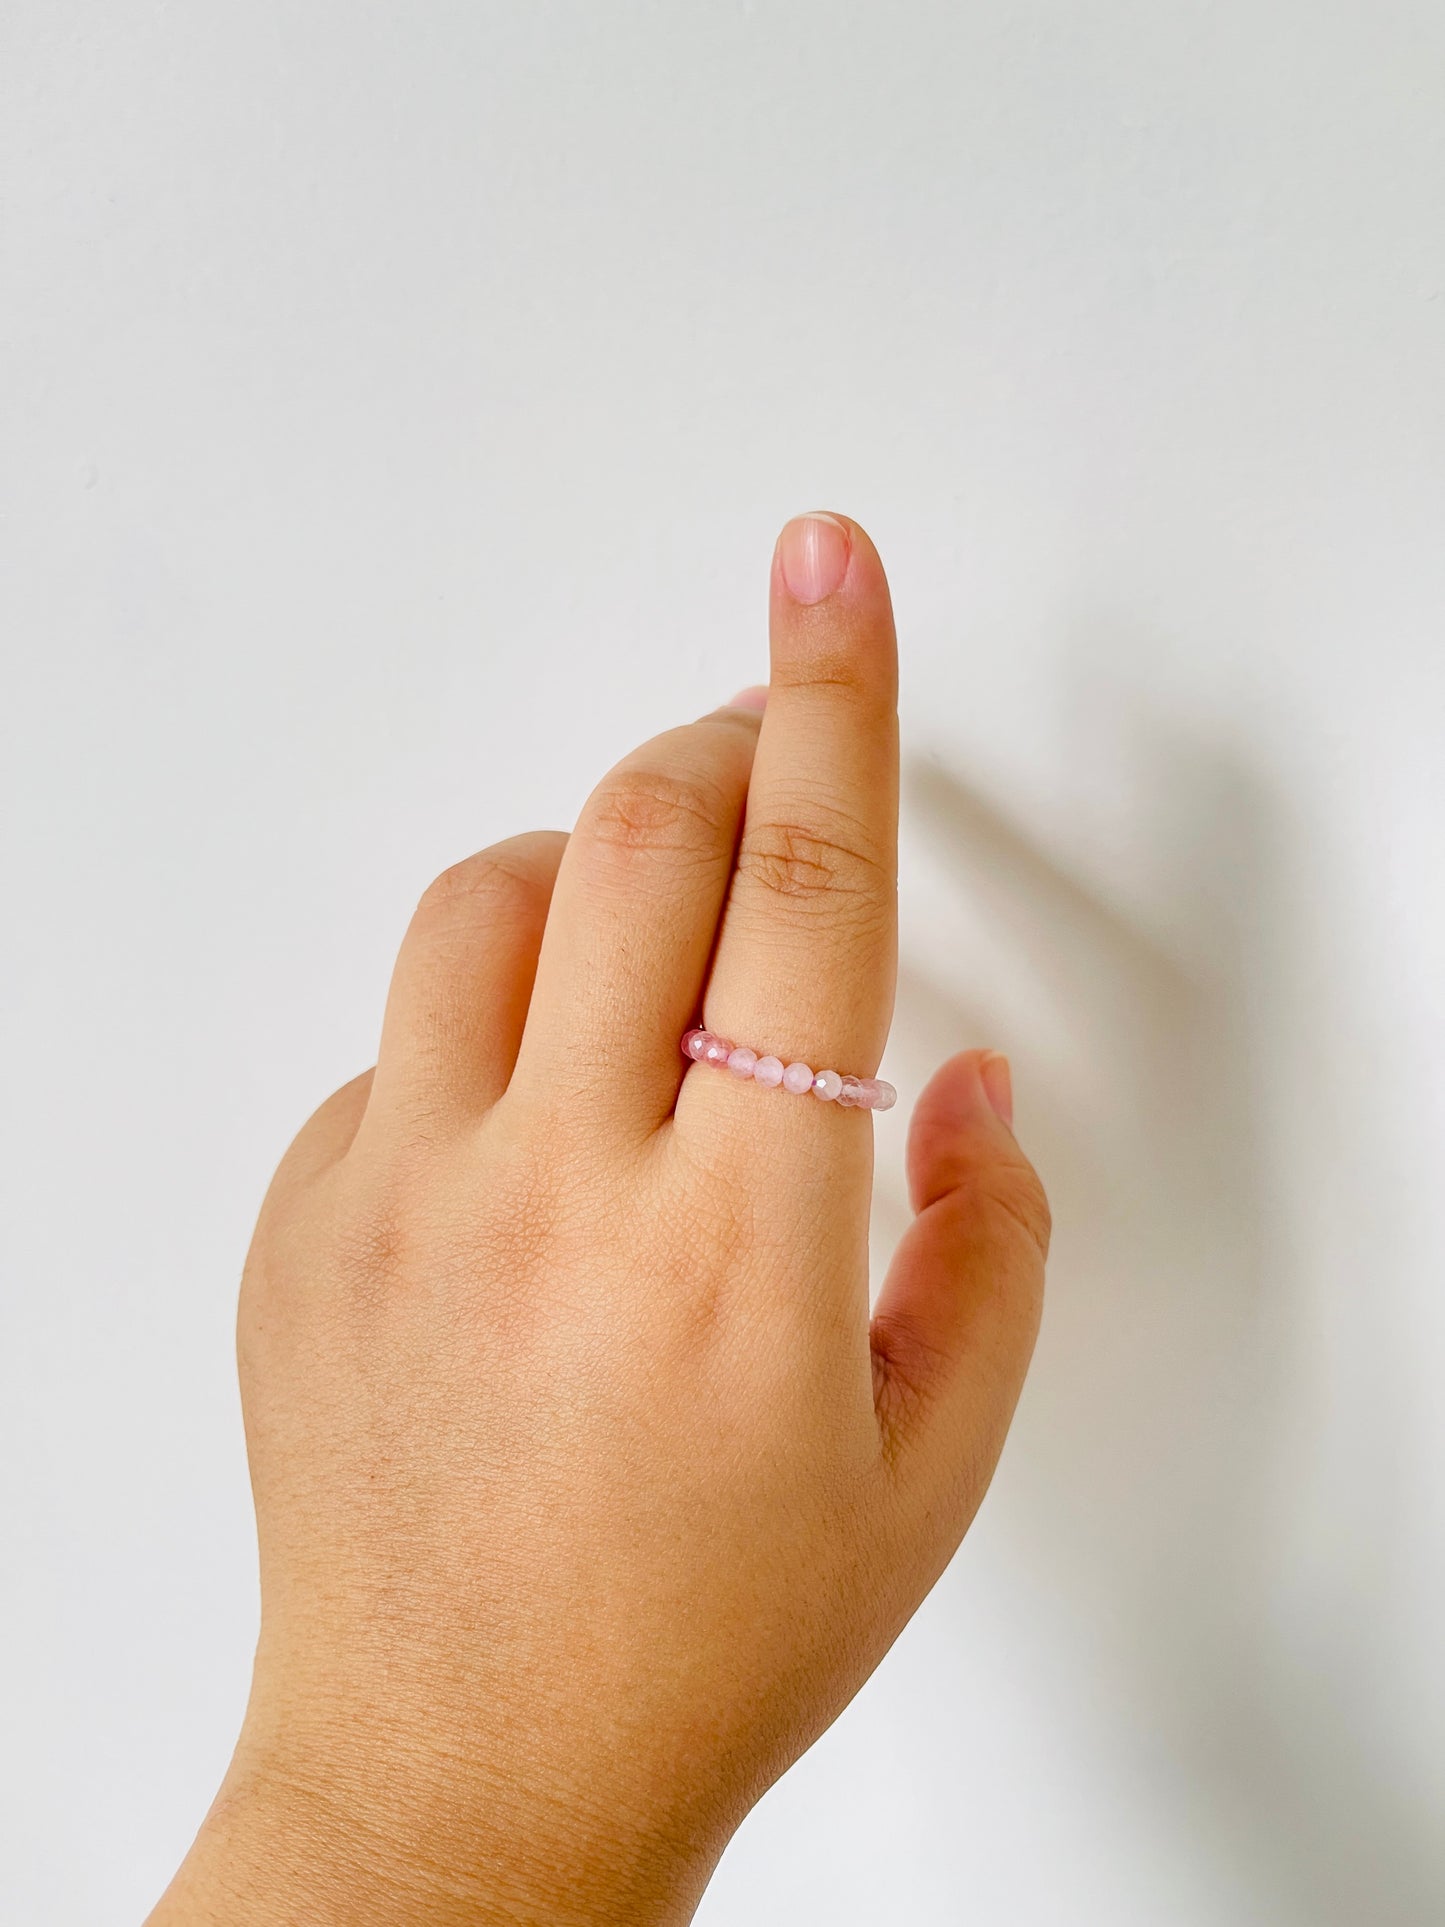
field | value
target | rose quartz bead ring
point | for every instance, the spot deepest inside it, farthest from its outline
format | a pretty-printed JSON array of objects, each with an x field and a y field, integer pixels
[{"x": 852, "y": 1093}]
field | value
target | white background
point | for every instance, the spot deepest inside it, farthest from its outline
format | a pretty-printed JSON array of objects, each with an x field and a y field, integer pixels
[{"x": 399, "y": 404}]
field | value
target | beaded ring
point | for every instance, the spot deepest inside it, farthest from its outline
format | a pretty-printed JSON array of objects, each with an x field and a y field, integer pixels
[{"x": 853, "y": 1093}]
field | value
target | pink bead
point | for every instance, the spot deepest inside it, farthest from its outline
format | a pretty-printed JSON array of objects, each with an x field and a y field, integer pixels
[{"x": 852, "y": 1093}]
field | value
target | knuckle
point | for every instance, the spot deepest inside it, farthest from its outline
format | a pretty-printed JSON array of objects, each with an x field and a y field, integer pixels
[
  {"x": 822, "y": 862},
  {"x": 651, "y": 809},
  {"x": 412, "y": 1228},
  {"x": 832, "y": 663},
  {"x": 488, "y": 880},
  {"x": 1014, "y": 1191}
]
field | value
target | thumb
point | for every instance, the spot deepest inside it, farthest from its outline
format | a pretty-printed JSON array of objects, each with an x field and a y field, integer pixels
[{"x": 954, "y": 1325}]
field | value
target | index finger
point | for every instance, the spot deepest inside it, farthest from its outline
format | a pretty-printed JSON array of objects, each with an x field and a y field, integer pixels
[{"x": 807, "y": 954}]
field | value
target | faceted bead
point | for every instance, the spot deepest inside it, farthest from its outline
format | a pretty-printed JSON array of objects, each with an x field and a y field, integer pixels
[
  {"x": 880, "y": 1095},
  {"x": 743, "y": 1061},
  {"x": 717, "y": 1051},
  {"x": 694, "y": 1044},
  {"x": 850, "y": 1095},
  {"x": 768, "y": 1071},
  {"x": 798, "y": 1078},
  {"x": 827, "y": 1085}
]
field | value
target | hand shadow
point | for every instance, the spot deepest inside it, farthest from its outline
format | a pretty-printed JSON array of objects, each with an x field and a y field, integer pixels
[{"x": 1148, "y": 1475}]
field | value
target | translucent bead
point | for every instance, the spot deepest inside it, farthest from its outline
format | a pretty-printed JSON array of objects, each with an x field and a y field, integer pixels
[{"x": 852, "y": 1093}]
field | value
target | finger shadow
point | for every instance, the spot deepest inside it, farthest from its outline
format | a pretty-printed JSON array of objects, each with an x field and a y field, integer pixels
[{"x": 1134, "y": 979}]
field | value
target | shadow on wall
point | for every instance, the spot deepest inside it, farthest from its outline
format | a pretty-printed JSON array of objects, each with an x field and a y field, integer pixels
[{"x": 1148, "y": 1473}]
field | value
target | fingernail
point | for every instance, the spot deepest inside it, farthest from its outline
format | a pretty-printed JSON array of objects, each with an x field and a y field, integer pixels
[
  {"x": 813, "y": 555},
  {"x": 998, "y": 1084},
  {"x": 755, "y": 697}
]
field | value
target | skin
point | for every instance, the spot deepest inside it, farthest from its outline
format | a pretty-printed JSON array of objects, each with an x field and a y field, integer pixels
[{"x": 587, "y": 1492}]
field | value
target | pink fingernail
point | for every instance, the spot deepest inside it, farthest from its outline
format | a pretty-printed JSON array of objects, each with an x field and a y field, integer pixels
[
  {"x": 813, "y": 555},
  {"x": 754, "y": 698},
  {"x": 998, "y": 1085}
]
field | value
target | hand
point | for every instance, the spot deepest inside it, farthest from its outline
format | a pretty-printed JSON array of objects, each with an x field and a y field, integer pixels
[{"x": 586, "y": 1494}]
